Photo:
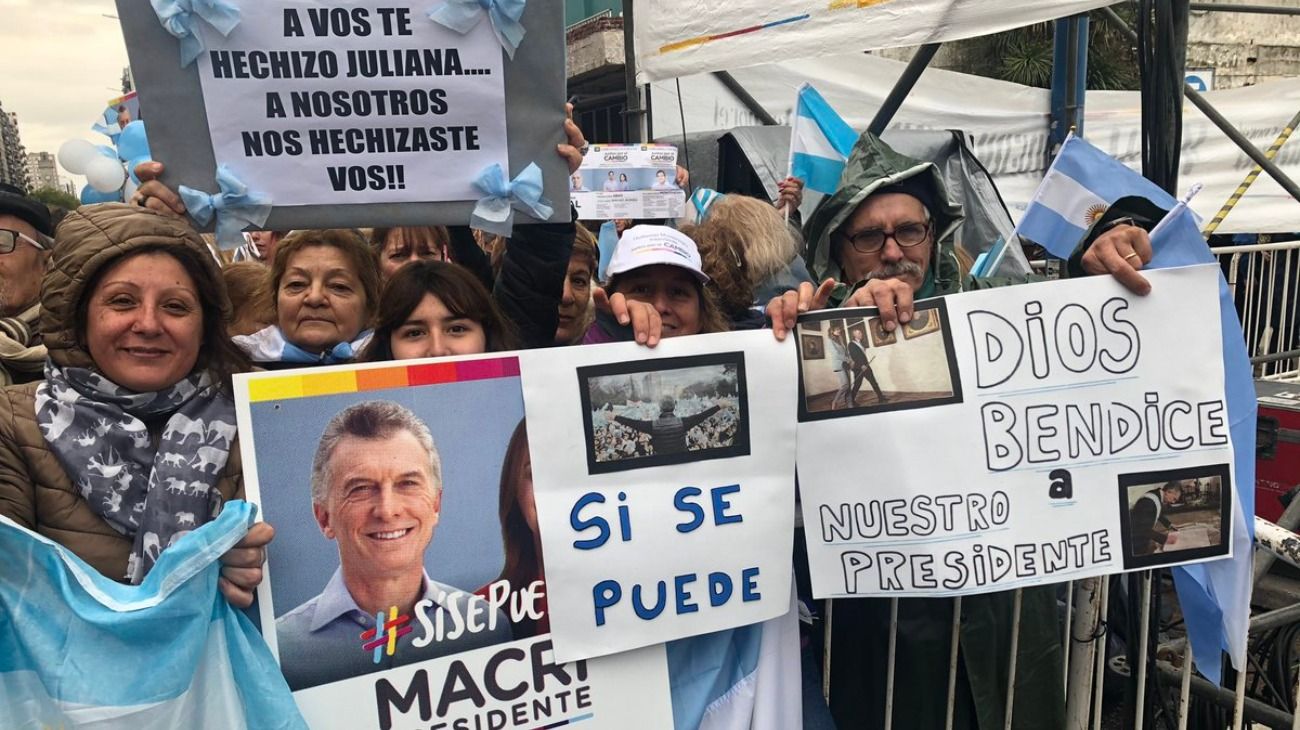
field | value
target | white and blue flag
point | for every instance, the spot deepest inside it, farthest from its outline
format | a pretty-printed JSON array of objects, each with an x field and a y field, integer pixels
[
  {"x": 1214, "y": 596},
  {"x": 1080, "y": 185},
  {"x": 746, "y": 678},
  {"x": 78, "y": 650},
  {"x": 820, "y": 142}
]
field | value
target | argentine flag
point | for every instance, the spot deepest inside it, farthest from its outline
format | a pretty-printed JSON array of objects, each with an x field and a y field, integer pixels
[
  {"x": 746, "y": 678},
  {"x": 1214, "y": 597},
  {"x": 820, "y": 142},
  {"x": 1081, "y": 183},
  {"x": 78, "y": 650}
]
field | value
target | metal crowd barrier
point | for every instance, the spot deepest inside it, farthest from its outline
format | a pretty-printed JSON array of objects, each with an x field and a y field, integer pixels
[
  {"x": 1085, "y": 637},
  {"x": 1263, "y": 279}
]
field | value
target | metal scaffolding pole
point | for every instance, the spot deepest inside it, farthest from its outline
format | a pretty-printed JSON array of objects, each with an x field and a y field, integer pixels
[
  {"x": 1219, "y": 121},
  {"x": 1251, "y": 709},
  {"x": 1228, "y": 8},
  {"x": 634, "y": 115},
  {"x": 745, "y": 97},
  {"x": 902, "y": 87}
]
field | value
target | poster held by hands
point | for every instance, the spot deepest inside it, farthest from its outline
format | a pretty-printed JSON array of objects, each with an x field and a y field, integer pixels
[
  {"x": 1014, "y": 437},
  {"x": 664, "y": 487},
  {"x": 354, "y": 114},
  {"x": 403, "y": 590},
  {"x": 627, "y": 181}
]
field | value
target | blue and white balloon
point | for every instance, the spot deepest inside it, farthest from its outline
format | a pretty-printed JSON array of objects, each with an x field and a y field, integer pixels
[
  {"x": 91, "y": 196},
  {"x": 105, "y": 175},
  {"x": 75, "y": 154}
]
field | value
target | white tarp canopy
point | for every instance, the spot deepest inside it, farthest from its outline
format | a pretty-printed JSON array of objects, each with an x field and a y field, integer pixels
[
  {"x": 1008, "y": 125},
  {"x": 681, "y": 37}
]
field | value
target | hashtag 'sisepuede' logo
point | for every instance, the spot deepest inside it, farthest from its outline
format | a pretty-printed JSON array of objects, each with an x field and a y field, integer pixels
[{"x": 383, "y": 637}]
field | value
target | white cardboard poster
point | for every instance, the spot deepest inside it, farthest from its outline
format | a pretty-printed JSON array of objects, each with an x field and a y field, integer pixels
[
  {"x": 1031, "y": 434},
  {"x": 357, "y": 102},
  {"x": 473, "y": 652},
  {"x": 627, "y": 181},
  {"x": 664, "y": 487}
]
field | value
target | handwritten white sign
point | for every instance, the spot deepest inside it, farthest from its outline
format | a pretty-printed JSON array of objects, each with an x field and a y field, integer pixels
[
  {"x": 664, "y": 487},
  {"x": 1031, "y": 434}
]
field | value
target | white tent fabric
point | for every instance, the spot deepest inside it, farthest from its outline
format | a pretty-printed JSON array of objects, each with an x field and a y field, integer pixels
[
  {"x": 680, "y": 37},
  {"x": 1008, "y": 125}
]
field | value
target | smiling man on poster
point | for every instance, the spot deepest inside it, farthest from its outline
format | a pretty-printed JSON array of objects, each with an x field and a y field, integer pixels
[{"x": 376, "y": 487}]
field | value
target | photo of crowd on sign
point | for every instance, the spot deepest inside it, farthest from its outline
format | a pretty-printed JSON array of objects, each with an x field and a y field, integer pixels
[
  {"x": 852, "y": 365},
  {"x": 1176, "y": 515},
  {"x": 387, "y": 550},
  {"x": 664, "y": 412}
]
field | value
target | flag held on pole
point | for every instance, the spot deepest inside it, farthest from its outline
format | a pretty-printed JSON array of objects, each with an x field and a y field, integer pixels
[
  {"x": 1080, "y": 185},
  {"x": 820, "y": 142}
]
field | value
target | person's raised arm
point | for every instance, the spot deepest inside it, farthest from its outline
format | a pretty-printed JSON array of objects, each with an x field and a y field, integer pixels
[
  {"x": 531, "y": 283},
  {"x": 1118, "y": 244},
  {"x": 536, "y": 261},
  {"x": 466, "y": 252},
  {"x": 692, "y": 421},
  {"x": 633, "y": 423},
  {"x": 1121, "y": 252}
]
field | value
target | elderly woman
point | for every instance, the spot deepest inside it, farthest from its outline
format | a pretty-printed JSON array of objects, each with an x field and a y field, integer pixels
[
  {"x": 396, "y": 247},
  {"x": 129, "y": 442},
  {"x": 325, "y": 288}
]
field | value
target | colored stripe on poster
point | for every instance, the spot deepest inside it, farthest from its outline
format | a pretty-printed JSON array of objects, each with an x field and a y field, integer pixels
[
  {"x": 701, "y": 40},
  {"x": 356, "y": 381}
]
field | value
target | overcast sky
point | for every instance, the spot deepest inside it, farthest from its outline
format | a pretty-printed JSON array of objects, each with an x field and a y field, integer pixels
[{"x": 62, "y": 61}]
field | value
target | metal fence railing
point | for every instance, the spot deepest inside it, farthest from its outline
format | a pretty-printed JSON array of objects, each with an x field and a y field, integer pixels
[
  {"x": 1114, "y": 678},
  {"x": 1126, "y": 628},
  {"x": 1264, "y": 279}
]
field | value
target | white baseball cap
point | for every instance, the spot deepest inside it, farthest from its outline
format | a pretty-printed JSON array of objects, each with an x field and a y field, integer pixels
[{"x": 650, "y": 245}]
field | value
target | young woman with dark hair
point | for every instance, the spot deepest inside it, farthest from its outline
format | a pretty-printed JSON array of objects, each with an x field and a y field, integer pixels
[{"x": 433, "y": 309}]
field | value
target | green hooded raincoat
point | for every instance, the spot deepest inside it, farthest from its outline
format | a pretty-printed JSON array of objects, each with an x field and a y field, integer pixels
[{"x": 859, "y": 649}]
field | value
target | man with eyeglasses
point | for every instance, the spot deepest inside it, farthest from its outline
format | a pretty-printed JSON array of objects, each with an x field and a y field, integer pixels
[
  {"x": 886, "y": 239},
  {"x": 25, "y": 231}
]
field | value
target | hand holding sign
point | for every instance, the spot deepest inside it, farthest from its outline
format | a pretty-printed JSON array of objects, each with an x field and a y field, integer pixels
[
  {"x": 1121, "y": 252},
  {"x": 153, "y": 193},
  {"x": 1063, "y": 403},
  {"x": 338, "y": 114},
  {"x": 670, "y": 526},
  {"x": 574, "y": 141}
]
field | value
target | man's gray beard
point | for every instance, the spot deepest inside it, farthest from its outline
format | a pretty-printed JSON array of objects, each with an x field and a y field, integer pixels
[
  {"x": 4, "y": 296},
  {"x": 897, "y": 271}
]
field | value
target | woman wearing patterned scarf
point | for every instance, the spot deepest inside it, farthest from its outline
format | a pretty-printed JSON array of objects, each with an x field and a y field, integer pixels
[
  {"x": 325, "y": 287},
  {"x": 130, "y": 441}
]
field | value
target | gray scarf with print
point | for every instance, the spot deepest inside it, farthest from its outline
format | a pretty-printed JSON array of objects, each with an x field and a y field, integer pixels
[{"x": 97, "y": 431}]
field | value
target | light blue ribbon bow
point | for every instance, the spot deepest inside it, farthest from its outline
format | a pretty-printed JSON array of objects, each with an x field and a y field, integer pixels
[
  {"x": 495, "y": 213},
  {"x": 178, "y": 17},
  {"x": 462, "y": 15},
  {"x": 234, "y": 207}
]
